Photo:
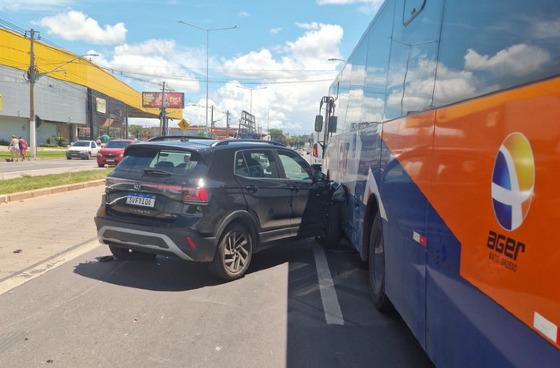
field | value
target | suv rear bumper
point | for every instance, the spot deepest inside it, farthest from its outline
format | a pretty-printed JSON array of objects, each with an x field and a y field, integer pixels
[{"x": 185, "y": 244}]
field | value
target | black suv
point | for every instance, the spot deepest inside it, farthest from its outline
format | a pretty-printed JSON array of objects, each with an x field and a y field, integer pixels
[{"x": 205, "y": 200}]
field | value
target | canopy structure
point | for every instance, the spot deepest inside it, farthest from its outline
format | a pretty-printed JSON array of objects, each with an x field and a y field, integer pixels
[{"x": 14, "y": 52}]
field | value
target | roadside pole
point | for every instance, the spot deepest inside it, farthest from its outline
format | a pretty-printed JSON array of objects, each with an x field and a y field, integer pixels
[
  {"x": 212, "y": 119},
  {"x": 162, "y": 114},
  {"x": 31, "y": 75},
  {"x": 227, "y": 124}
]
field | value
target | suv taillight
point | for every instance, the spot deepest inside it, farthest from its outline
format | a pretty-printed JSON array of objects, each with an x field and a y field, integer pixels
[{"x": 195, "y": 195}]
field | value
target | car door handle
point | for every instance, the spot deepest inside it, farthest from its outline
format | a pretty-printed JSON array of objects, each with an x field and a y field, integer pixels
[
  {"x": 294, "y": 189},
  {"x": 251, "y": 188}
]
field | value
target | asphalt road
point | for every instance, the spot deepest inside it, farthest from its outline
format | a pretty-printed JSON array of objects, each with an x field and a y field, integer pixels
[
  {"x": 168, "y": 313},
  {"x": 9, "y": 170}
]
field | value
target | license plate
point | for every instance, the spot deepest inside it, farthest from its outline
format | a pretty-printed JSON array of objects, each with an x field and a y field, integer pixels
[
  {"x": 110, "y": 160},
  {"x": 143, "y": 200}
]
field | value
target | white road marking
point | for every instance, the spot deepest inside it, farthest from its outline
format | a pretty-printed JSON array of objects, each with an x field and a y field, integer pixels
[
  {"x": 22, "y": 277},
  {"x": 333, "y": 314}
]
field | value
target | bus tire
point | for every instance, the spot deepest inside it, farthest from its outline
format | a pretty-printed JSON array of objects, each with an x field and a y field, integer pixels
[{"x": 376, "y": 263}]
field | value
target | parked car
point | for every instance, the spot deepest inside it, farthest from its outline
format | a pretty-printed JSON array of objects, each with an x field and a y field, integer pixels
[
  {"x": 205, "y": 201},
  {"x": 82, "y": 149},
  {"x": 113, "y": 152}
]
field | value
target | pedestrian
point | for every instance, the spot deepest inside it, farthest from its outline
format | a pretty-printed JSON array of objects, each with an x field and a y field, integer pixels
[
  {"x": 22, "y": 148},
  {"x": 14, "y": 148}
]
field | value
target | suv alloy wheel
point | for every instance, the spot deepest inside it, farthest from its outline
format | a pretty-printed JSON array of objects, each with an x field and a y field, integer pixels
[{"x": 234, "y": 253}]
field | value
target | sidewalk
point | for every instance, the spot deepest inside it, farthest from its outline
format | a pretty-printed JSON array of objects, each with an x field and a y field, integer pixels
[
  {"x": 33, "y": 231},
  {"x": 11, "y": 170}
]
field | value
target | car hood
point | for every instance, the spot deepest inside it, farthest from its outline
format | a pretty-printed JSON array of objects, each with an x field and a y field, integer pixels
[
  {"x": 111, "y": 151},
  {"x": 78, "y": 149}
]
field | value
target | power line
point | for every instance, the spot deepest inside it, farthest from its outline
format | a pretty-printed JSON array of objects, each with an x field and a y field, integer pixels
[{"x": 132, "y": 75}]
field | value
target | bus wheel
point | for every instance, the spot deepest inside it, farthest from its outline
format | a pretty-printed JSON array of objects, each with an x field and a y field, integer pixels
[{"x": 376, "y": 263}]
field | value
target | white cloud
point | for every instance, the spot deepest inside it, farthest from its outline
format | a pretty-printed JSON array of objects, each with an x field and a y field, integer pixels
[
  {"x": 243, "y": 14},
  {"x": 365, "y": 6},
  {"x": 520, "y": 59},
  {"x": 276, "y": 30},
  {"x": 152, "y": 61},
  {"x": 77, "y": 26},
  {"x": 15, "y": 5},
  {"x": 346, "y": 2},
  {"x": 290, "y": 107}
]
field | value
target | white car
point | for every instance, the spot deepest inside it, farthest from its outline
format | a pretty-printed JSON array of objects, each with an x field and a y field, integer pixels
[{"x": 82, "y": 149}]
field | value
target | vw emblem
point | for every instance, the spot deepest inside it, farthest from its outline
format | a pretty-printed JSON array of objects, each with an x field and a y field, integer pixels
[{"x": 137, "y": 186}]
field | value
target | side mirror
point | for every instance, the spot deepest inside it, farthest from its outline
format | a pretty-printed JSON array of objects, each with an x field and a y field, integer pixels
[
  {"x": 318, "y": 123},
  {"x": 333, "y": 121}
]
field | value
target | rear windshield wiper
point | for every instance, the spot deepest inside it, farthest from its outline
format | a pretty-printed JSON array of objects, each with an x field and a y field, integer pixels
[{"x": 157, "y": 172}]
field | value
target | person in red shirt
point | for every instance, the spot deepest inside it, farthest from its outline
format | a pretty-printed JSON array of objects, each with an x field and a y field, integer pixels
[{"x": 22, "y": 148}]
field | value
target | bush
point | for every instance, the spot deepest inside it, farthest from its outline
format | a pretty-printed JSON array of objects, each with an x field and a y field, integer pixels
[
  {"x": 61, "y": 141},
  {"x": 4, "y": 142},
  {"x": 48, "y": 145}
]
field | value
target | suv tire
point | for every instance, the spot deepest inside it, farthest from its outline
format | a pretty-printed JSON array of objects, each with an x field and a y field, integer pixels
[
  {"x": 234, "y": 253},
  {"x": 376, "y": 263},
  {"x": 125, "y": 254}
]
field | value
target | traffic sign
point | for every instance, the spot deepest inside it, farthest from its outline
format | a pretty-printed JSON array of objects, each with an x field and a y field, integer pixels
[{"x": 183, "y": 124}]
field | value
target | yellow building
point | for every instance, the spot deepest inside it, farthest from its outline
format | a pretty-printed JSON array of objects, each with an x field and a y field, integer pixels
[{"x": 74, "y": 99}]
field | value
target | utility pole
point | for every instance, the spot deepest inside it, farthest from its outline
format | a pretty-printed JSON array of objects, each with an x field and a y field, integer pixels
[
  {"x": 251, "y": 95},
  {"x": 31, "y": 75},
  {"x": 162, "y": 112},
  {"x": 212, "y": 119},
  {"x": 227, "y": 124}
]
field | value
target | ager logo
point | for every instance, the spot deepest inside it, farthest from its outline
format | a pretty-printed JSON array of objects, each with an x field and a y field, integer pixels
[{"x": 513, "y": 181}]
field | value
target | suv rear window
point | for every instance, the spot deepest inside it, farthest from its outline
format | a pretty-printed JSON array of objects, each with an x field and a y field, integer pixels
[
  {"x": 181, "y": 163},
  {"x": 117, "y": 144}
]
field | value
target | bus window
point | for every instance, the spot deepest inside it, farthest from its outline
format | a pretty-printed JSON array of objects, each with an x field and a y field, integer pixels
[
  {"x": 413, "y": 61},
  {"x": 343, "y": 96},
  {"x": 379, "y": 46},
  {"x": 356, "y": 93},
  {"x": 526, "y": 48}
]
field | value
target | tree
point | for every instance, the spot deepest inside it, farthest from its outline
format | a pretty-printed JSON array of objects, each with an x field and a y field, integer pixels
[
  {"x": 277, "y": 135},
  {"x": 135, "y": 130}
]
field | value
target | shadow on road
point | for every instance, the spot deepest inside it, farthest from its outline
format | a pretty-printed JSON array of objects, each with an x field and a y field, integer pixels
[
  {"x": 367, "y": 338},
  {"x": 173, "y": 274}
]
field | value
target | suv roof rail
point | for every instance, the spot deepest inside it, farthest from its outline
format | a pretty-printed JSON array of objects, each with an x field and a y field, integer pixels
[
  {"x": 228, "y": 141},
  {"x": 177, "y": 137}
]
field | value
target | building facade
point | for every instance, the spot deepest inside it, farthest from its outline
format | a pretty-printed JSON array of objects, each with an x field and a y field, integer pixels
[{"x": 74, "y": 98}]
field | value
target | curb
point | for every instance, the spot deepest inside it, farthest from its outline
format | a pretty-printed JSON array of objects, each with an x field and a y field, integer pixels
[{"x": 5, "y": 198}]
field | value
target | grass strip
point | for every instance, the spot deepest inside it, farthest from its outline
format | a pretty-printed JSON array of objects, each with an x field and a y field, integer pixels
[
  {"x": 46, "y": 181},
  {"x": 40, "y": 154}
]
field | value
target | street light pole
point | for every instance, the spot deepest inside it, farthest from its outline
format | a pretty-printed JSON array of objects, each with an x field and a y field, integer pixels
[
  {"x": 251, "y": 89},
  {"x": 206, "y": 109},
  {"x": 207, "y": 30}
]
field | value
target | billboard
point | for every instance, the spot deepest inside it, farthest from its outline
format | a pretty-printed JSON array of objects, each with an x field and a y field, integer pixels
[{"x": 173, "y": 100}]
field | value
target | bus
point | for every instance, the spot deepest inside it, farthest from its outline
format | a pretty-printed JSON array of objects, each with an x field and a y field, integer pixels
[{"x": 448, "y": 148}]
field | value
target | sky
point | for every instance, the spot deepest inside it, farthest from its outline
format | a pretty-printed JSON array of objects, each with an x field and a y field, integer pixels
[{"x": 279, "y": 48}]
